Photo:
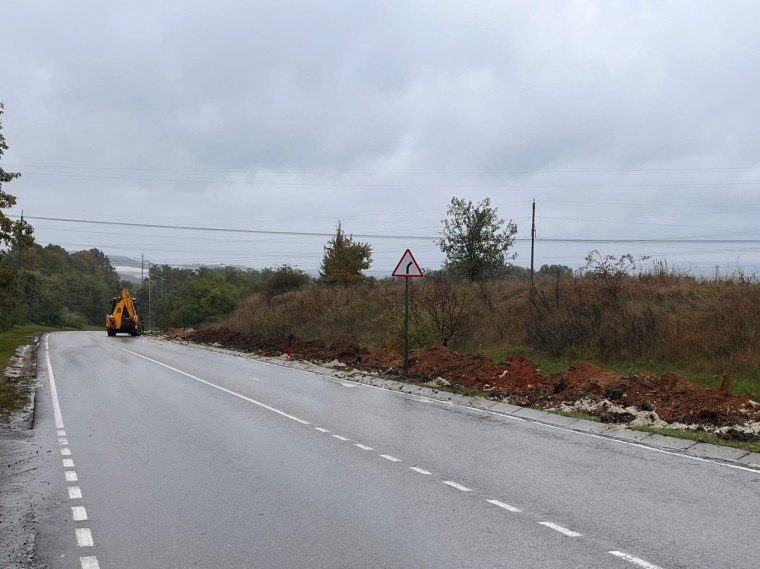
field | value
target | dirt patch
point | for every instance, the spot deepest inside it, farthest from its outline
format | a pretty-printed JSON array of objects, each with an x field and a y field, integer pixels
[{"x": 640, "y": 397}]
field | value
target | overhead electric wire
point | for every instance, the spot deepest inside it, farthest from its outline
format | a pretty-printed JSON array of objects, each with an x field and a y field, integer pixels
[
  {"x": 400, "y": 186},
  {"x": 429, "y": 173},
  {"x": 689, "y": 241}
]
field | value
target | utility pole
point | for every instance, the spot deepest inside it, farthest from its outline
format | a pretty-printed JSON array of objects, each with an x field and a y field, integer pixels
[
  {"x": 532, "y": 244},
  {"x": 150, "y": 325},
  {"x": 19, "y": 239}
]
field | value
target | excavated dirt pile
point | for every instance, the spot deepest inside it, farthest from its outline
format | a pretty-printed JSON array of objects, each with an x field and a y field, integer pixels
[{"x": 641, "y": 398}]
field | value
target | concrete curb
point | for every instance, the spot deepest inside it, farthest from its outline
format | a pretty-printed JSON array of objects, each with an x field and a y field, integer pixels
[{"x": 675, "y": 445}]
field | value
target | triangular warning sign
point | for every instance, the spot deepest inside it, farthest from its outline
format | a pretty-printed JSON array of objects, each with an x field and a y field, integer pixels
[{"x": 407, "y": 267}]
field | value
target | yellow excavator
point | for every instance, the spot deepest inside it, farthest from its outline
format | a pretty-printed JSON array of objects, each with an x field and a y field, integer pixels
[{"x": 124, "y": 317}]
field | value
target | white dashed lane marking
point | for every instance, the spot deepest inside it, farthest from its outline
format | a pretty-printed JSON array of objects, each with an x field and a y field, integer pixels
[
  {"x": 457, "y": 486},
  {"x": 504, "y": 506},
  {"x": 391, "y": 458},
  {"x": 560, "y": 529},
  {"x": 78, "y": 513},
  {"x": 84, "y": 537},
  {"x": 89, "y": 562},
  {"x": 635, "y": 560},
  {"x": 92, "y": 563}
]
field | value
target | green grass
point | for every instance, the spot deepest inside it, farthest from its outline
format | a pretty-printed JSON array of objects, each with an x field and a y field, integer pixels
[
  {"x": 701, "y": 437},
  {"x": 10, "y": 397}
]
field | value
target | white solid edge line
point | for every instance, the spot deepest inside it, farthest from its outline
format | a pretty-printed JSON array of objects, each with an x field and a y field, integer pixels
[
  {"x": 53, "y": 389},
  {"x": 75, "y": 493},
  {"x": 504, "y": 506},
  {"x": 391, "y": 458},
  {"x": 220, "y": 388},
  {"x": 79, "y": 513},
  {"x": 84, "y": 537},
  {"x": 419, "y": 470},
  {"x": 457, "y": 486},
  {"x": 560, "y": 529},
  {"x": 716, "y": 462},
  {"x": 363, "y": 447},
  {"x": 634, "y": 560},
  {"x": 89, "y": 562}
]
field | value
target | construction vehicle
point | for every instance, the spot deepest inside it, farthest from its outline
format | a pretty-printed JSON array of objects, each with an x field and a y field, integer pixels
[{"x": 124, "y": 316}]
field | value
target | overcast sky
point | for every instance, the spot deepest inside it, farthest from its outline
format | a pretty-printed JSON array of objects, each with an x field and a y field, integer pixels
[{"x": 623, "y": 120}]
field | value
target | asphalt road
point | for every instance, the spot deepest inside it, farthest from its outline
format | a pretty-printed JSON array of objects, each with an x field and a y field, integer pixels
[{"x": 179, "y": 457}]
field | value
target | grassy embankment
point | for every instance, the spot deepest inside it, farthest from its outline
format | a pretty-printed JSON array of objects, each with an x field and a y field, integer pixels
[
  {"x": 10, "y": 399},
  {"x": 666, "y": 322}
]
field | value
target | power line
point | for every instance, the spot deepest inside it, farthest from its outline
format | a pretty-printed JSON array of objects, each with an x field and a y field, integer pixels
[
  {"x": 421, "y": 186},
  {"x": 429, "y": 173},
  {"x": 675, "y": 241}
]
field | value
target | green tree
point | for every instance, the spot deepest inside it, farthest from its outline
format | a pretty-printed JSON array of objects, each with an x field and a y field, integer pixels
[
  {"x": 285, "y": 279},
  {"x": 475, "y": 241},
  {"x": 345, "y": 259},
  {"x": 10, "y": 231}
]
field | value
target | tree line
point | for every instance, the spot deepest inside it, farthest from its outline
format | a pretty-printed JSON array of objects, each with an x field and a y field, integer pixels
[{"x": 53, "y": 287}]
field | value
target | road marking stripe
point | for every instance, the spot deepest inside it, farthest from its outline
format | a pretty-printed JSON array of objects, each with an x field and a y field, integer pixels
[
  {"x": 457, "y": 486},
  {"x": 68, "y": 463},
  {"x": 322, "y": 429},
  {"x": 84, "y": 537},
  {"x": 340, "y": 438},
  {"x": 61, "y": 433},
  {"x": 63, "y": 441},
  {"x": 391, "y": 458},
  {"x": 79, "y": 513},
  {"x": 65, "y": 452},
  {"x": 89, "y": 562},
  {"x": 560, "y": 529},
  {"x": 71, "y": 476},
  {"x": 634, "y": 560},
  {"x": 363, "y": 447},
  {"x": 220, "y": 388},
  {"x": 75, "y": 492},
  {"x": 53, "y": 389},
  {"x": 504, "y": 506},
  {"x": 420, "y": 470}
]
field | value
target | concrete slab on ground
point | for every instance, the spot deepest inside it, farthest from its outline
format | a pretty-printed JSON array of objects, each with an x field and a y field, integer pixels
[
  {"x": 670, "y": 443},
  {"x": 559, "y": 420},
  {"x": 752, "y": 459},
  {"x": 528, "y": 413},
  {"x": 706, "y": 450},
  {"x": 590, "y": 426},
  {"x": 628, "y": 435},
  {"x": 504, "y": 408}
]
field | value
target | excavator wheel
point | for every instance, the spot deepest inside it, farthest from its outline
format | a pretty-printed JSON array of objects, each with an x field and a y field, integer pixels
[{"x": 112, "y": 332}]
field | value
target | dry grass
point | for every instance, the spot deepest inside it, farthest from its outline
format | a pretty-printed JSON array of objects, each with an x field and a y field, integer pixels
[{"x": 702, "y": 329}]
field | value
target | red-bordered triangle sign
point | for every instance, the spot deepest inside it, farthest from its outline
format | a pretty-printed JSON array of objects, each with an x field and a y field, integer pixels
[{"x": 407, "y": 267}]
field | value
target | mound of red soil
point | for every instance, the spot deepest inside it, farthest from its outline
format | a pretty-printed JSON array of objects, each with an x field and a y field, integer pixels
[{"x": 517, "y": 379}]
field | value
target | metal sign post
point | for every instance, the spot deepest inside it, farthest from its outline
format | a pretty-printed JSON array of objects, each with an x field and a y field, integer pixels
[{"x": 406, "y": 269}]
